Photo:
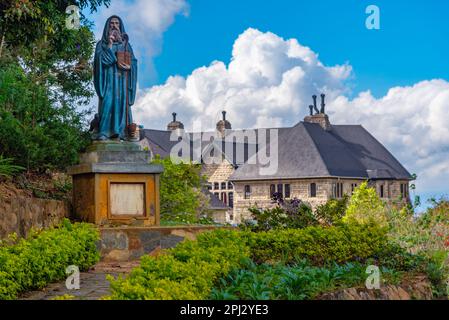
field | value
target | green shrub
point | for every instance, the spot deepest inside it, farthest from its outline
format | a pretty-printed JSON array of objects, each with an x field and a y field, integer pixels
[
  {"x": 365, "y": 206},
  {"x": 319, "y": 245},
  {"x": 291, "y": 282},
  {"x": 187, "y": 272},
  {"x": 43, "y": 258},
  {"x": 332, "y": 211},
  {"x": 7, "y": 168}
]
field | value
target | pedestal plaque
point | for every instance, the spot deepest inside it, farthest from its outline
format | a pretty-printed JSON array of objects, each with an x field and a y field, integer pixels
[{"x": 115, "y": 184}]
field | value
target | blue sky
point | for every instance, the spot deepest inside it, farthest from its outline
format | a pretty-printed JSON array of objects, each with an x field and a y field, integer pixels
[
  {"x": 412, "y": 44},
  {"x": 409, "y": 53}
]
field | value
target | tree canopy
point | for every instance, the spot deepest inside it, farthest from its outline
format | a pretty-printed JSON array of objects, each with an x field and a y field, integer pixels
[{"x": 45, "y": 80}]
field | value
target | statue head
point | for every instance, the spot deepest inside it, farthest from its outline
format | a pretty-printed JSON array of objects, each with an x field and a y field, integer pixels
[{"x": 113, "y": 26}]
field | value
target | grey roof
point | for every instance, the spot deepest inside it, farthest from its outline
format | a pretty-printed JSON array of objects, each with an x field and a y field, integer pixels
[
  {"x": 214, "y": 202},
  {"x": 347, "y": 151},
  {"x": 160, "y": 144},
  {"x": 306, "y": 151}
]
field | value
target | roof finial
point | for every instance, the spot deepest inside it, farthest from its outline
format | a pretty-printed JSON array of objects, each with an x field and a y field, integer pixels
[
  {"x": 174, "y": 116},
  {"x": 224, "y": 115}
]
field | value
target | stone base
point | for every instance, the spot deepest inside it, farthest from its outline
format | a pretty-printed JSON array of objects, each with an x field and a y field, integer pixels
[
  {"x": 126, "y": 244},
  {"x": 115, "y": 184}
]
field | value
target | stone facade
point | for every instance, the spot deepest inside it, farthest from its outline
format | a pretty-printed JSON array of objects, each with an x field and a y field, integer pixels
[
  {"x": 19, "y": 214},
  {"x": 326, "y": 189},
  {"x": 218, "y": 175}
]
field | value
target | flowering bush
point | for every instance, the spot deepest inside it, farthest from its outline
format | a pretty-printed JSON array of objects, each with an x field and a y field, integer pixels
[{"x": 286, "y": 214}]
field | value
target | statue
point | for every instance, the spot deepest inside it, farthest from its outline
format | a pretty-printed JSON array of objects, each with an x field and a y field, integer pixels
[{"x": 115, "y": 79}]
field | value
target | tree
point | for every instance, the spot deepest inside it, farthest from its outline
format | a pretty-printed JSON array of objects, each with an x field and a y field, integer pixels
[
  {"x": 365, "y": 206},
  {"x": 45, "y": 76},
  {"x": 180, "y": 191}
]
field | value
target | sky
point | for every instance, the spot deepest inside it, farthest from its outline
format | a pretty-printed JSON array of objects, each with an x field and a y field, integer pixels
[{"x": 263, "y": 60}]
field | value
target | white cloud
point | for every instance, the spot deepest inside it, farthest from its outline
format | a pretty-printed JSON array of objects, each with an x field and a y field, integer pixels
[
  {"x": 412, "y": 122},
  {"x": 268, "y": 83},
  {"x": 268, "y": 80},
  {"x": 145, "y": 22}
]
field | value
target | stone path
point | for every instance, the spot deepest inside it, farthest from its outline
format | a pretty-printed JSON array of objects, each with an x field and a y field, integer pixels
[{"x": 93, "y": 284}]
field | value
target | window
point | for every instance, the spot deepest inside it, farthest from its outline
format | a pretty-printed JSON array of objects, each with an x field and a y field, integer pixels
[
  {"x": 313, "y": 190},
  {"x": 217, "y": 195},
  {"x": 224, "y": 198},
  {"x": 337, "y": 190},
  {"x": 209, "y": 187},
  {"x": 231, "y": 199},
  {"x": 247, "y": 191},
  {"x": 381, "y": 191},
  {"x": 272, "y": 190},
  {"x": 223, "y": 186},
  {"x": 216, "y": 186},
  {"x": 353, "y": 186},
  {"x": 230, "y": 186},
  {"x": 404, "y": 190},
  {"x": 281, "y": 189},
  {"x": 287, "y": 191}
]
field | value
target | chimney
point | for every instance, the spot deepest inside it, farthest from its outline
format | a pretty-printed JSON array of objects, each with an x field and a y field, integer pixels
[
  {"x": 323, "y": 105},
  {"x": 314, "y": 104},
  {"x": 320, "y": 117},
  {"x": 174, "y": 125},
  {"x": 223, "y": 124}
]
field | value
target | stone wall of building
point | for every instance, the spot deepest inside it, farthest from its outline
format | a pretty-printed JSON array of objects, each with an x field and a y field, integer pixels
[
  {"x": 300, "y": 188},
  {"x": 20, "y": 213}
]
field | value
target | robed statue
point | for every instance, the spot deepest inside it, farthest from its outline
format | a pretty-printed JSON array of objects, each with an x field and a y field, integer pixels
[{"x": 115, "y": 78}]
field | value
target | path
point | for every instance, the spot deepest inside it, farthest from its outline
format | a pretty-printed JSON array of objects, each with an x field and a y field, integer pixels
[{"x": 93, "y": 284}]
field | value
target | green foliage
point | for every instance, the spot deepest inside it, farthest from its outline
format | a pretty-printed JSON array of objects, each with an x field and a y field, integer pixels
[
  {"x": 426, "y": 235},
  {"x": 180, "y": 191},
  {"x": 299, "y": 281},
  {"x": 43, "y": 258},
  {"x": 187, "y": 272},
  {"x": 45, "y": 80},
  {"x": 7, "y": 168},
  {"x": 33, "y": 130},
  {"x": 288, "y": 214},
  {"x": 277, "y": 264},
  {"x": 319, "y": 245},
  {"x": 332, "y": 211},
  {"x": 365, "y": 206}
]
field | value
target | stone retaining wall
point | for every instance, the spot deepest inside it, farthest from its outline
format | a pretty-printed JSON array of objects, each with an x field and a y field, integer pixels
[
  {"x": 129, "y": 243},
  {"x": 20, "y": 214}
]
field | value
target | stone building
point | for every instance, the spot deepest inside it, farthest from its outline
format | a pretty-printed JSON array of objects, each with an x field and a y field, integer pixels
[{"x": 316, "y": 161}]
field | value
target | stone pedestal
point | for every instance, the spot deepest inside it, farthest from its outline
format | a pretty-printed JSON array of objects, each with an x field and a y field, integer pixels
[{"x": 115, "y": 184}]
